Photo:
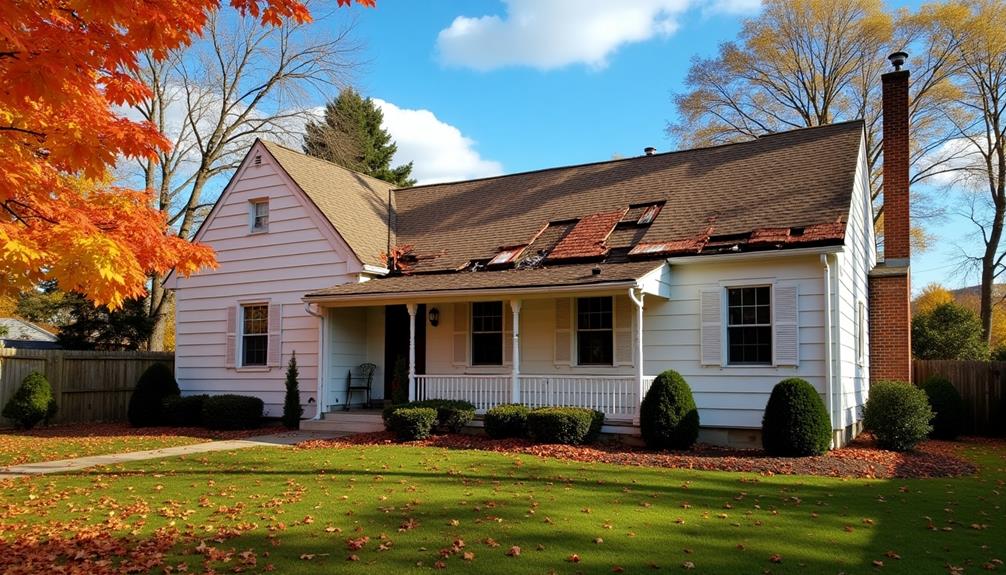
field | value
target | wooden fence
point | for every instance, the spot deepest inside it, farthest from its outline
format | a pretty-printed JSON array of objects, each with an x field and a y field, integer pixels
[
  {"x": 982, "y": 384},
  {"x": 88, "y": 385}
]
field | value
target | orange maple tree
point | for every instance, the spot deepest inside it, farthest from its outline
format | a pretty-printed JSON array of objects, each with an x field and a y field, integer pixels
[{"x": 63, "y": 77}]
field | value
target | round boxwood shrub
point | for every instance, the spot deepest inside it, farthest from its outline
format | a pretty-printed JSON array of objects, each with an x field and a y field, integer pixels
[
  {"x": 184, "y": 411},
  {"x": 947, "y": 405},
  {"x": 452, "y": 414},
  {"x": 232, "y": 412},
  {"x": 668, "y": 418},
  {"x": 146, "y": 405},
  {"x": 795, "y": 423},
  {"x": 569, "y": 425},
  {"x": 31, "y": 403},
  {"x": 507, "y": 420},
  {"x": 412, "y": 423},
  {"x": 898, "y": 415}
]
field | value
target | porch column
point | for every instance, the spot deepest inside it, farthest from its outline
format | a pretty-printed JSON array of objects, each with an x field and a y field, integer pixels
[
  {"x": 411, "y": 307},
  {"x": 515, "y": 386},
  {"x": 637, "y": 344}
]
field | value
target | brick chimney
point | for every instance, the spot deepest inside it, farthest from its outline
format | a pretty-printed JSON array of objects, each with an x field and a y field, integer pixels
[{"x": 890, "y": 285}]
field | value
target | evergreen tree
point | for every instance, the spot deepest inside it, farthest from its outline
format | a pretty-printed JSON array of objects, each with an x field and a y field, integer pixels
[
  {"x": 292, "y": 410},
  {"x": 351, "y": 135}
]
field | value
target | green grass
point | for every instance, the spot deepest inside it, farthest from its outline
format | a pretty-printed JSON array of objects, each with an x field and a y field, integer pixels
[{"x": 610, "y": 516}]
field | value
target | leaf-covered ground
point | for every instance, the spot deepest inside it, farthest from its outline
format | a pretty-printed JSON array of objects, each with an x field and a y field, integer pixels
[
  {"x": 81, "y": 440},
  {"x": 384, "y": 509}
]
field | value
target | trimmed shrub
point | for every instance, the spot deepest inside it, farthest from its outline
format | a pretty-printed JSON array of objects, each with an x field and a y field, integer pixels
[
  {"x": 898, "y": 415},
  {"x": 412, "y": 423},
  {"x": 232, "y": 412},
  {"x": 452, "y": 414},
  {"x": 948, "y": 407},
  {"x": 508, "y": 420},
  {"x": 31, "y": 403},
  {"x": 387, "y": 411},
  {"x": 184, "y": 411},
  {"x": 146, "y": 405},
  {"x": 569, "y": 425},
  {"x": 795, "y": 423},
  {"x": 292, "y": 409},
  {"x": 668, "y": 418}
]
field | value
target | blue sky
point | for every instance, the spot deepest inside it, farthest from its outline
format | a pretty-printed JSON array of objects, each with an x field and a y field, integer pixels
[{"x": 467, "y": 93}]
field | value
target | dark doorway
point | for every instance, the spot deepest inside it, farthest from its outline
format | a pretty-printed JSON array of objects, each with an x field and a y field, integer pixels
[{"x": 396, "y": 342}]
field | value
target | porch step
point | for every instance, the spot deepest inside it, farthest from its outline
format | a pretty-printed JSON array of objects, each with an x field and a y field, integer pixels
[{"x": 363, "y": 421}]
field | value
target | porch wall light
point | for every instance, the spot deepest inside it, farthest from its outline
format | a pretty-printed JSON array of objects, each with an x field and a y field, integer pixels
[{"x": 434, "y": 316}]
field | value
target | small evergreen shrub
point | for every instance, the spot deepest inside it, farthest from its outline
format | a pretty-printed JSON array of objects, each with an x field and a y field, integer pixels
[
  {"x": 795, "y": 423},
  {"x": 412, "y": 423},
  {"x": 292, "y": 409},
  {"x": 898, "y": 415},
  {"x": 508, "y": 420},
  {"x": 146, "y": 405},
  {"x": 668, "y": 418},
  {"x": 452, "y": 414},
  {"x": 387, "y": 411},
  {"x": 184, "y": 411},
  {"x": 232, "y": 412},
  {"x": 948, "y": 407},
  {"x": 31, "y": 403},
  {"x": 568, "y": 425}
]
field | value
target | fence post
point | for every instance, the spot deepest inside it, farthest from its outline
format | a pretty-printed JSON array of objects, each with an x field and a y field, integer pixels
[{"x": 54, "y": 373}]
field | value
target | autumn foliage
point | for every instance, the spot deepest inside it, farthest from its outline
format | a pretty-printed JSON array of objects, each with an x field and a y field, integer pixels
[{"x": 64, "y": 76}]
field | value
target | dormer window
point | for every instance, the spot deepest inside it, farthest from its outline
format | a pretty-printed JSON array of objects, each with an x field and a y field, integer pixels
[{"x": 259, "y": 215}]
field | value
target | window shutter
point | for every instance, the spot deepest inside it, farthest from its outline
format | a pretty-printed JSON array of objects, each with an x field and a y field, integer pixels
[
  {"x": 712, "y": 327},
  {"x": 786, "y": 312},
  {"x": 231, "y": 347},
  {"x": 461, "y": 324},
  {"x": 563, "y": 331},
  {"x": 507, "y": 333},
  {"x": 624, "y": 312},
  {"x": 275, "y": 352}
]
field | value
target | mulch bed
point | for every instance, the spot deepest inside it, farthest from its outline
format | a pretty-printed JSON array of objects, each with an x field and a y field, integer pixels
[{"x": 861, "y": 459}]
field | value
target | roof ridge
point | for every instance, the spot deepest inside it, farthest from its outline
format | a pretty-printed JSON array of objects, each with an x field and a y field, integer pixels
[
  {"x": 268, "y": 143},
  {"x": 633, "y": 158}
]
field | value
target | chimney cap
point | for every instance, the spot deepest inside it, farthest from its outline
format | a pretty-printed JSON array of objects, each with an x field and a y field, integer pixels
[
  {"x": 649, "y": 150},
  {"x": 898, "y": 59}
]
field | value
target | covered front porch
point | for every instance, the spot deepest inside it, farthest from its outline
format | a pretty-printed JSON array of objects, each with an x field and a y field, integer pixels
[{"x": 579, "y": 347}]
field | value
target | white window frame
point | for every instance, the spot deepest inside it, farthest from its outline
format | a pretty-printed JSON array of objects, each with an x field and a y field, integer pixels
[
  {"x": 472, "y": 332},
  {"x": 575, "y": 352},
  {"x": 241, "y": 335},
  {"x": 770, "y": 325},
  {"x": 254, "y": 216}
]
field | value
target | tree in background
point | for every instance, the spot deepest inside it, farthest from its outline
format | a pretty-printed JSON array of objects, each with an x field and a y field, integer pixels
[
  {"x": 292, "y": 409},
  {"x": 803, "y": 63},
  {"x": 948, "y": 331},
  {"x": 932, "y": 295},
  {"x": 350, "y": 134},
  {"x": 82, "y": 324}
]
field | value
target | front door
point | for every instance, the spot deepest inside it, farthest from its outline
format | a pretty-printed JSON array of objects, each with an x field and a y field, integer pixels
[{"x": 396, "y": 347}]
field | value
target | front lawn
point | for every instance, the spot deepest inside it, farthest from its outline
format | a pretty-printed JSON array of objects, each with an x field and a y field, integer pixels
[{"x": 81, "y": 440}]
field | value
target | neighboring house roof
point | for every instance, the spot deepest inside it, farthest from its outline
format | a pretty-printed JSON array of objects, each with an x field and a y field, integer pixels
[
  {"x": 785, "y": 190},
  {"x": 22, "y": 330},
  {"x": 29, "y": 344},
  {"x": 355, "y": 204}
]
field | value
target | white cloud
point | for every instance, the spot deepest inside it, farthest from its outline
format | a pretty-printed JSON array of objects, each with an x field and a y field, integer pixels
[
  {"x": 556, "y": 33},
  {"x": 438, "y": 150}
]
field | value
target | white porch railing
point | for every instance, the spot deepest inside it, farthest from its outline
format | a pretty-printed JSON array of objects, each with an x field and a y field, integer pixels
[{"x": 617, "y": 396}]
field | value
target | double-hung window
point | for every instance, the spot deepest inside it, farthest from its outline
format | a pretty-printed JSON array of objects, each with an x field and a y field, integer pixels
[
  {"x": 487, "y": 333},
  {"x": 254, "y": 334},
  {"x": 749, "y": 325},
  {"x": 259, "y": 215},
  {"x": 594, "y": 334}
]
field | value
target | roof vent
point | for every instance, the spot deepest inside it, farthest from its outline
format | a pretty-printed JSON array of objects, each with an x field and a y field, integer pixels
[
  {"x": 649, "y": 150},
  {"x": 596, "y": 270},
  {"x": 258, "y": 159},
  {"x": 898, "y": 59}
]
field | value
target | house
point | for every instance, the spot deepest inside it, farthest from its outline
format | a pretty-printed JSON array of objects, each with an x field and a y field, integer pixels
[
  {"x": 16, "y": 333},
  {"x": 737, "y": 265}
]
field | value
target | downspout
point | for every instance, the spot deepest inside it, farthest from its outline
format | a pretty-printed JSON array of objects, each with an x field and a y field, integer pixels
[
  {"x": 827, "y": 345},
  {"x": 638, "y": 337},
  {"x": 320, "y": 403}
]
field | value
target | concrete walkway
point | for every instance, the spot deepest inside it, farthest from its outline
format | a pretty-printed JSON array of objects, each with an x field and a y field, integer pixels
[{"x": 284, "y": 439}]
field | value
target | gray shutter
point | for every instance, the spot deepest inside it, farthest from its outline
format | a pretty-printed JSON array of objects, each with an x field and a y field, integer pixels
[
  {"x": 563, "y": 331},
  {"x": 275, "y": 351},
  {"x": 624, "y": 312},
  {"x": 507, "y": 333},
  {"x": 711, "y": 335},
  {"x": 786, "y": 314},
  {"x": 231, "y": 347},
  {"x": 460, "y": 340}
]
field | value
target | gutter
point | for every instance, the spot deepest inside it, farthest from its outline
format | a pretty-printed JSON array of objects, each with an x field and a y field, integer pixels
[
  {"x": 829, "y": 376},
  {"x": 319, "y": 403},
  {"x": 748, "y": 256}
]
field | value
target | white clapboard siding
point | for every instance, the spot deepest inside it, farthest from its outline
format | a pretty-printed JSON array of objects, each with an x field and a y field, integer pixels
[{"x": 295, "y": 256}]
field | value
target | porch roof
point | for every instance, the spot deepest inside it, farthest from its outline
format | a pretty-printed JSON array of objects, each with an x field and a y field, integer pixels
[{"x": 582, "y": 276}]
